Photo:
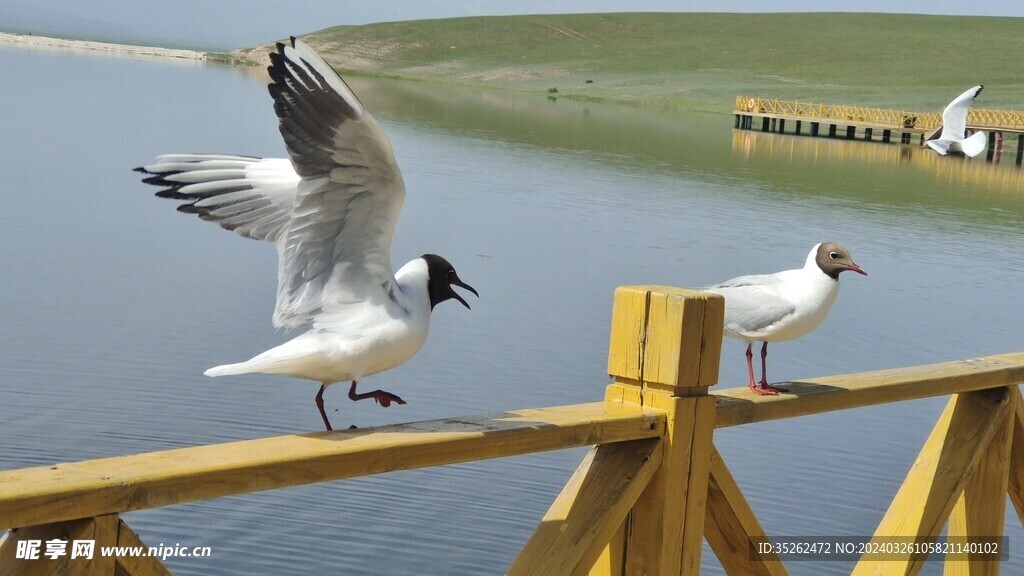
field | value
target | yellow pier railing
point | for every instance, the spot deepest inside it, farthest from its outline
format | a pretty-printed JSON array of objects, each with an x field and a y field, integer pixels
[
  {"x": 977, "y": 118},
  {"x": 649, "y": 492}
]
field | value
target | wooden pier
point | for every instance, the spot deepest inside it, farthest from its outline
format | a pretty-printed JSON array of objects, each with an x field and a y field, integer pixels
[
  {"x": 875, "y": 124},
  {"x": 651, "y": 490}
]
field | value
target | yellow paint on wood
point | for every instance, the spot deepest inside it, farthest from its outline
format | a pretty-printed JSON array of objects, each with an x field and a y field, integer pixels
[
  {"x": 981, "y": 508},
  {"x": 137, "y": 565},
  {"x": 664, "y": 352},
  {"x": 949, "y": 457},
  {"x": 102, "y": 530},
  {"x": 1016, "y": 484},
  {"x": 738, "y": 406},
  {"x": 665, "y": 337},
  {"x": 629, "y": 322},
  {"x": 45, "y": 494},
  {"x": 730, "y": 526},
  {"x": 590, "y": 509},
  {"x": 612, "y": 561}
]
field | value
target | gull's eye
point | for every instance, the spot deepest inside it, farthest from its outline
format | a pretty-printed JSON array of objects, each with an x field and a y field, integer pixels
[
  {"x": 451, "y": 272},
  {"x": 833, "y": 255}
]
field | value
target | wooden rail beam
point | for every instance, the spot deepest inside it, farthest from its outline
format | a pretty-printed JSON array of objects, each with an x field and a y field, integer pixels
[
  {"x": 948, "y": 459},
  {"x": 814, "y": 396},
  {"x": 46, "y": 494},
  {"x": 591, "y": 507}
]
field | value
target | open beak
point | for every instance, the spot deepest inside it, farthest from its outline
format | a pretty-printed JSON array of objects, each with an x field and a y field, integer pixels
[
  {"x": 856, "y": 269},
  {"x": 457, "y": 282}
]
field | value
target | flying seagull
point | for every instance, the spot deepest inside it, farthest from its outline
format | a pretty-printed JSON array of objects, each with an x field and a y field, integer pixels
[
  {"x": 330, "y": 209},
  {"x": 954, "y": 127},
  {"x": 784, "y": 305}
]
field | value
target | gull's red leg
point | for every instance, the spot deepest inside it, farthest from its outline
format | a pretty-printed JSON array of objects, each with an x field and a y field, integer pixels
[
  {"x": 770, "y": 390},
  {"x": 320, "y": 406}
]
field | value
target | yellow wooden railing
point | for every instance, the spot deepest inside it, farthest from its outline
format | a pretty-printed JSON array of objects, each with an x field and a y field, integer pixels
[
  {"x": 651, "y": 489},
  {"x": 977, "y": 118}
]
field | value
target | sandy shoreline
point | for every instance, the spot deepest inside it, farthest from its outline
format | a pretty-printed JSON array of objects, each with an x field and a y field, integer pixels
[{"x": 47, "y": 43}]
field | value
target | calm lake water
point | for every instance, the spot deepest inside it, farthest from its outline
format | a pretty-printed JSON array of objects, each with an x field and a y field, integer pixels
[{"x": 114, "y": 304}]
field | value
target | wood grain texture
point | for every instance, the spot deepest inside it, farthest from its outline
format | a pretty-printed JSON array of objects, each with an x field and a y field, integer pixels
[
  {"x": 46, "y": 494},
  {"x": 730, "y": 526},
  {"x": 1016, "y": 483},
  {"x": 980, "y": 510},
  {"x": 948, "y": 459},
  {"x": 589, "y": 510},
  {"x": 136, "y": 565},
  {"x": 738, "y": 406},
  {"x": 102, "y": 530}
]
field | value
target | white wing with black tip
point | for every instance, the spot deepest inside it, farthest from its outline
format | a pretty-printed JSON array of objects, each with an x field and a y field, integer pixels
[
  {"x": 336, "y": 250},
  {"x": 330, "y": 208},
  {"x": 954, "y": 117},
  {"x": 251, "y": 196}
]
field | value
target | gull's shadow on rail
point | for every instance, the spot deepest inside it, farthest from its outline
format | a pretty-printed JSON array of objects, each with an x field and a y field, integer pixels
[{"x": 741, "y": 406}]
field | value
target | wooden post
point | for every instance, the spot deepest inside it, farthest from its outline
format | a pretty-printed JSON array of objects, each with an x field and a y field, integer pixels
[
  {"x": 991, "y": 146},
  {"x": 1020, "y": 148},
  {"x": 798, "y": 127},
  {"x": 764, "y": 124},
  {"x": 814, "y": 128},
  {"x": 886, "y": 135},
  {"x": 851, "y": 132},
  {"x": 782, "y": 125},
  {"x": 867, "y": 134},
  {"x": 831, "y": 130},
  {"x": 664, "y": 353}
]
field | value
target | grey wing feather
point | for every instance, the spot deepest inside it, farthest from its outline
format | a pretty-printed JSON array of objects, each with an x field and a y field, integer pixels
[
  {"x": 752, "y": 303},
  {"x": 337, "y": 247}
]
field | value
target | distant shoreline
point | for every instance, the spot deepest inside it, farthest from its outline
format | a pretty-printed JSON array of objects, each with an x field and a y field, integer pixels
[{"x": 46, "y": 42}]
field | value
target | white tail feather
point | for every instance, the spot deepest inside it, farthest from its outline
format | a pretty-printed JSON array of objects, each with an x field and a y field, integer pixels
[{"x": 974, "y": 145}]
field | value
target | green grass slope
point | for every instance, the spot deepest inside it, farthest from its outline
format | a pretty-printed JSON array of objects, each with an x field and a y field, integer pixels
[{"x": 699, "y": 60}]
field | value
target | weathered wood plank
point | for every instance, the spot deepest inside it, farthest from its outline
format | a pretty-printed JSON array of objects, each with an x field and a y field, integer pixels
[
  {"x": 1016, "y": 484},
  {"x": 730, "y": 526},
  {"x": 46, "y": 494},
  {"x": 612, "y": 561},
  {"x": 949, "y": 457},
  {"x": 589, "y": 510},
  {"x": 664, "y": 354},
  {"x": 814, "y": 396},
  {"x": 136, "y": 565},
  {"x": 981, "y": 508},
  {"x": 102, "y": 530}
]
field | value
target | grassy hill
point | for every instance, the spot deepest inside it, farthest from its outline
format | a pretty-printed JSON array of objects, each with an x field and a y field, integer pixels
[{"x": 697, "y": 60}]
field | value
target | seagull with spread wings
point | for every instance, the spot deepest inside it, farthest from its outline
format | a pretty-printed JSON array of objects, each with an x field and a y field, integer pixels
[
  {"x": 954, "y": 127},
  {"x": 330, "y": 209}
]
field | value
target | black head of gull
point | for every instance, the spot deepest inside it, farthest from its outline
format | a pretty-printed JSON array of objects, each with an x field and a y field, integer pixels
[
  {"x": 833, "y": 259},
  {"x": 441, "y": 276}
]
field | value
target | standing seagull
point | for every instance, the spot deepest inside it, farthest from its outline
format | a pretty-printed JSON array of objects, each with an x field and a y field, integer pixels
[
  {"x": 330, "y": 210},
  {"x": 784, "y": 305},
  {"x": 954, "y": 127}
]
